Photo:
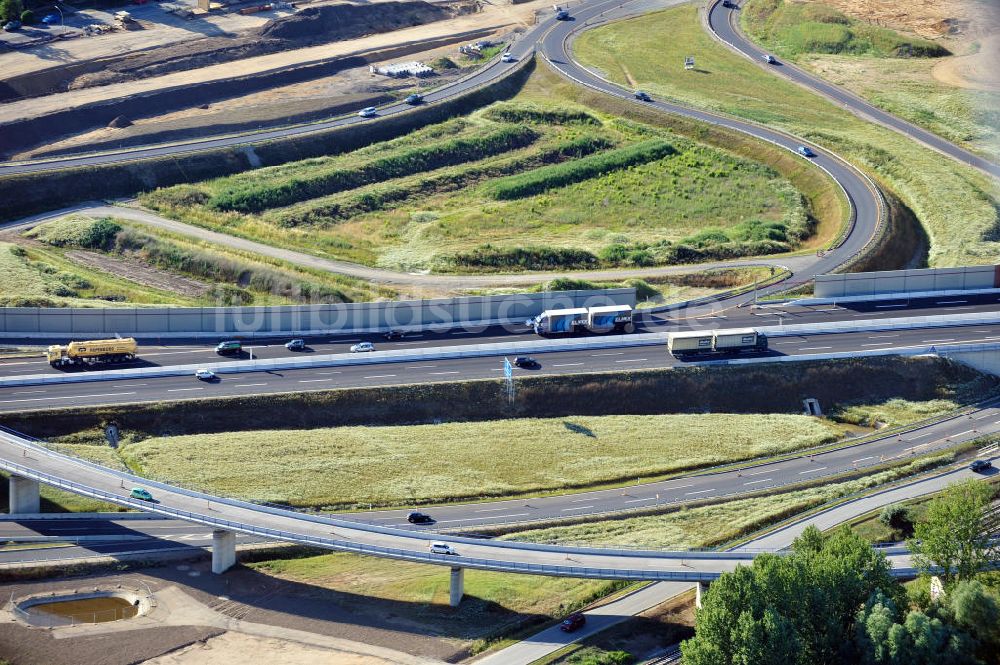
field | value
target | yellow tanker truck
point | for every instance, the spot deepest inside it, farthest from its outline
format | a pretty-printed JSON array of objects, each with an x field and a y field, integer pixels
[{"x": 93, "y": 352}]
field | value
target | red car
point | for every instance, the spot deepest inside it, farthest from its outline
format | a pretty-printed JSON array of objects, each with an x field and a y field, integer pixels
[{"x": 573, "y": 622}]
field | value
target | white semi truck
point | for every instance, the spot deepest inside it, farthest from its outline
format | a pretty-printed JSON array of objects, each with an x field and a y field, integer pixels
[
  {"x": 603, "y": 319},
  {"x": 716, "y": 342}
]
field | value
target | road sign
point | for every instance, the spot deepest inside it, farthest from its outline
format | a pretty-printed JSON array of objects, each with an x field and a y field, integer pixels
[
  {"x": 508, "y": 369},
  {"x": 508, "y": 373}
]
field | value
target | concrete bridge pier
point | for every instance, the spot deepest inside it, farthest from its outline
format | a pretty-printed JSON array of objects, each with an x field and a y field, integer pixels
[
  {"x": 24, "y": 499},
  {"x": 699, "y": 591},
  {"x": 457, "y": 586},
  {"x": 223, "y": 551}
]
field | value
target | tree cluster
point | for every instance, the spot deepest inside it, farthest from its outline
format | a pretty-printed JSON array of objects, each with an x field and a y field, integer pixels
[{"x": 834, "y": 599}]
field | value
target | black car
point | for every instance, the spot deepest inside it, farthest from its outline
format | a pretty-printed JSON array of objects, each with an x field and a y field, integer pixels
[
  {"x": 728, "y": 3},
  {"x": 295, "y": 345},
  {"x": 394, "y": 334},
  {"x": 414, "y": 99},
  {"x": 642, "y": 96},
  {"x": 526, "y": 362},
  {"x": 419, "y": 518},
  {"x": 981, "y": 465}
]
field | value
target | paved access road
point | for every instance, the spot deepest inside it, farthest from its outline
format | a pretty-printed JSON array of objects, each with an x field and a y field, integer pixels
[{"x": 723, "y": 21}]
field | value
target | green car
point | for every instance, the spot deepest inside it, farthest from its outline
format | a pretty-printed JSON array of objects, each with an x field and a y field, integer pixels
[{"x": 139, "y": 493}]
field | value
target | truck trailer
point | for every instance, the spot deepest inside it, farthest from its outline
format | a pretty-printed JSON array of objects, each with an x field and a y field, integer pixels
[
  {"x": 602, "y": 319},
  {"x": 93, "y": 352},
  {"x": 716, "y": 342}
]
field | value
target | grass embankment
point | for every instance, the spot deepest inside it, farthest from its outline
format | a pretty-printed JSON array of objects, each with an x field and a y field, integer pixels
[
  {"x": 494, "y": 605},
  {"x": 957, "y": 205},
  {"x": 123, "y": 258},
  {"x": 665, "y": 289},
  {"x": 350, "y": 466},
  {"x": 893, "y": 412},
  {"x": 892, "y": 71},
  {"x": 514, "y": 186}
]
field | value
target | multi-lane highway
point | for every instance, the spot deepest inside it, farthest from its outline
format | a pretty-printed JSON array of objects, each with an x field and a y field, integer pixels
[{"x": 156, "y": 352}]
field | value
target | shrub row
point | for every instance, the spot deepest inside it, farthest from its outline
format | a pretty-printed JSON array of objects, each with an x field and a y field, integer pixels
[
  {"x": 525, "y": 258},
  {"x": 241, "y": 274},
  {"x": 331, "y": 212},
  {"x": 560, "y": 175},
  {"x": 531, "y": 113},
  {"x": 257, "y": 197}
]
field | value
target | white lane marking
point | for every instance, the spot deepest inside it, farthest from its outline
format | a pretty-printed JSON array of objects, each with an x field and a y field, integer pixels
[
  {"x": 699, "y": 492},
  {"x": 421, "y": 366},
  {"x": 921, "y": 436},
  {"x": 337, "y": 372},
  {"x": 814, "y": 348},
  {"x": 619, "y": 353},
  {"x": 888, "y": 306},
  {"x": 379, "y": 376},
  {"x": 680, "y": 487},
  {"x": 248, "y": 385},
  {"x": 968, "y": 431},
  {"x": 566, "y": 510},
  {"x": 754, "y": 482},
  {"x": 812, "y": 470},
  {"x": 29, "y": 392},
  {"x": 881, "y": 336},
  {"x": 878, "y": 344},
  {"x": 760, "y": 473},
  {"x": 633, "y": 360},
  {"x": 930, "y": 341},
  {"x": 129, "y": 385},
  {"x": 182, "y": 390},
  {"x": 313, "y": 380},
  {"x": 490, "y": 510},
  {"x": 648, "y": 498},
  {"x": 915, "y": 447},
  {"x": 467, "y": 519},
  {"x": 464, "y": 332},
  {"x": 950, "y": 302},
  {"x": 862, "y": 459},
  {"x": 567, "y": 365},
  {"x": 41, "y": 399},
  {"x": 441, "y": 373}
]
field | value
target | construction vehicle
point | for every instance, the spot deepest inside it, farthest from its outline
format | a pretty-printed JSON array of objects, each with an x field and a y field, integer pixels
[
  {"x": 716, "y": 342},
  {"x": 93, "y": 352},
  {"x": 579, "y": 319}
]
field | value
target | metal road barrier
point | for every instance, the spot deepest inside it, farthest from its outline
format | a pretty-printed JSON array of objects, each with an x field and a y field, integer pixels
[{"x": 522, "y": 348}]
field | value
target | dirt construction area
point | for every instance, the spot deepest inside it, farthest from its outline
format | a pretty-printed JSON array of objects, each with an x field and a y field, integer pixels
[
  {"x": 240, "y": 617},
  {"x": 280, "y": 73}
]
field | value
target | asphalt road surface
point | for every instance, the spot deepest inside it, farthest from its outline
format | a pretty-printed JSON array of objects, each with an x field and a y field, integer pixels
[
  {"x": 15, "y": 399},
  {"x": 156, "y": 352},
  {"x": 723, "y": 21}
]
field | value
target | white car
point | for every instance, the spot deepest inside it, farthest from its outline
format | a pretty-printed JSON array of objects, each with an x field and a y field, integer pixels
[
  {"x": 204, "y": 374},
  {"x": 368, "y": 112},
  {"x": 443, "y": 548},
  {"x": 362, "y": 347},
  {"x": 769, "y": 59},
  {"x": 506, "y": 57}
]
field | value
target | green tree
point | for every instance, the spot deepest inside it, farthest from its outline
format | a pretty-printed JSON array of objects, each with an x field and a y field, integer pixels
[
  {"x": 798, "y": 609},
  {"x": 10, "y": 10},
  {"x": 954, "y": 536}
]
